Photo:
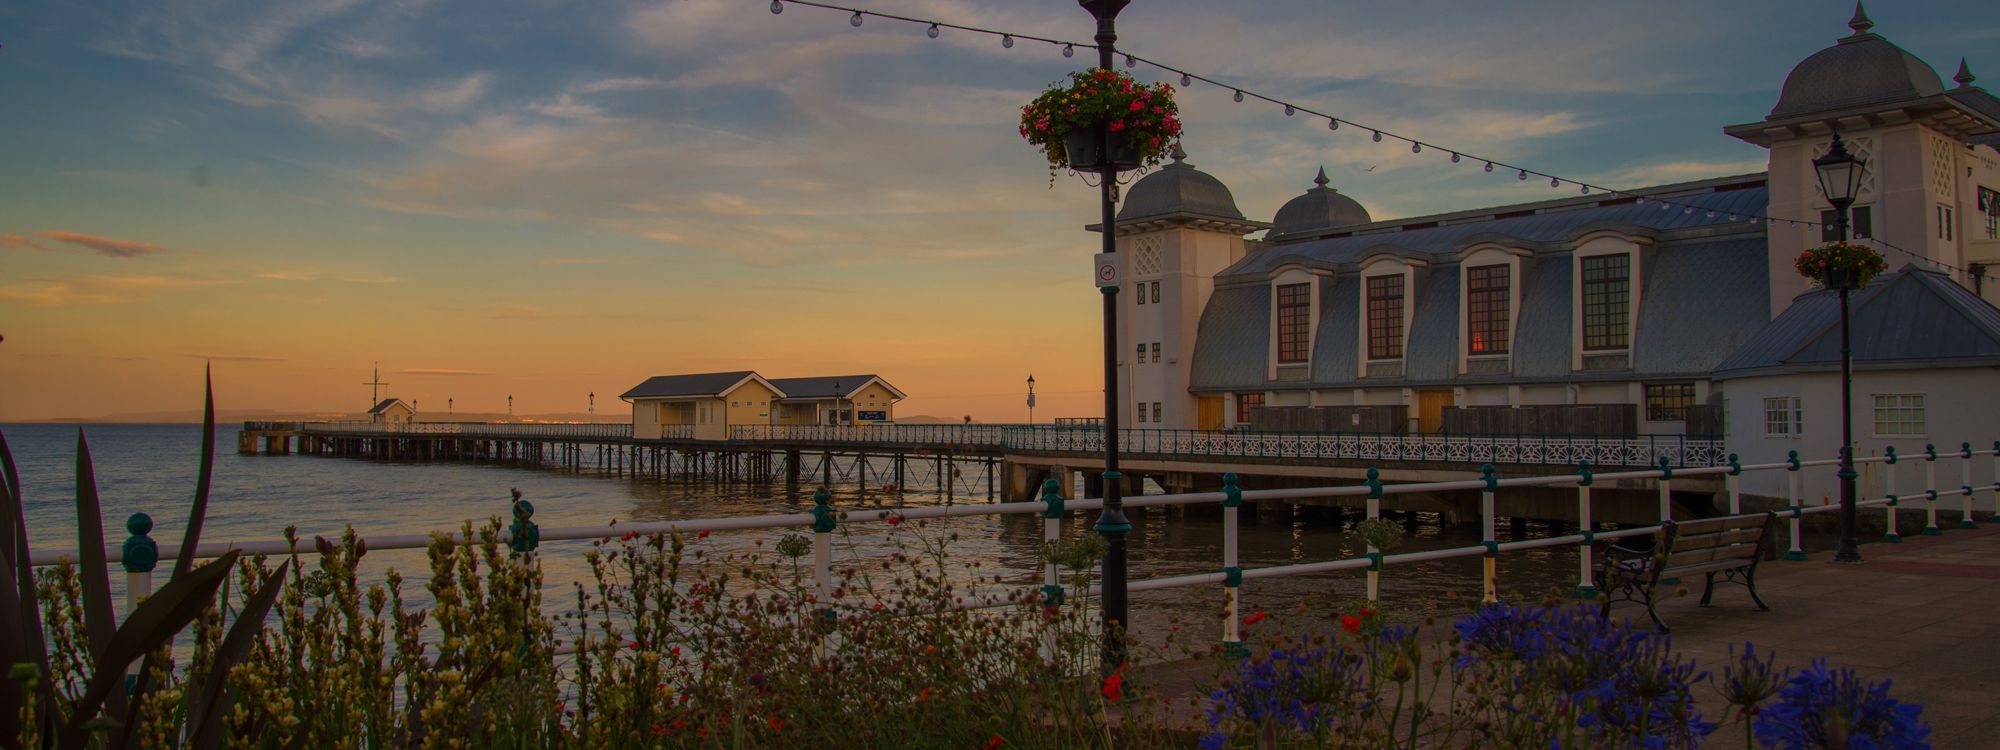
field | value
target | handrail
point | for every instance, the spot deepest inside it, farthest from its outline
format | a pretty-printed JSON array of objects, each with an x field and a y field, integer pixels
[{"x": 824, "y": 517}]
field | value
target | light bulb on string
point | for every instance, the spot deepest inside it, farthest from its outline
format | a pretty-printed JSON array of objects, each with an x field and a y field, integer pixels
[
  {"x": 1489, "y": 166},
  {"x": 1333, "y": 123},
  {"x": 1186, "y": 81},
  {"x": 932, "y": 32},
  {"x": 1289, "y": 110},
  {"x": 777, "y": 6},
  {"x": 1378, "y": 136},
  {"x": 1416, "y": 148},
  {"x": 1069, "y": 50},
  {"x": 1454, "y": 157},
  {"x": 1584, "y": 189},
  {"x": 854, "y": 20},
  {"x": 1732, "y": 217},
  {"x": 1711, "y": 214},
  {"x": 1639, "y": 201},
  {"x": 1239, "y": 96},
  {"x": 1688, "y": 210},
  {"x": 1523, "y": 176},
  {"x": 1007, "y": 40},
  {"x": 1555, "y": 183},
  {"x": 1131, "y": 62}
]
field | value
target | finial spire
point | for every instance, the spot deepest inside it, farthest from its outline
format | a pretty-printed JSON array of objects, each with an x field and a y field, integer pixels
[
  {"x": 1178, "y": 154},
  {"x": 1860, "y": 23},
  {"x": 1321, "y": 180},
  {"x": 1964, "y": 77}
]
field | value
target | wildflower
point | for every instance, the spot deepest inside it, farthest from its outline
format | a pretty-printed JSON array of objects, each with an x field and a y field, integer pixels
[
  {"x": 1117, "y": 125},
  {"x": 627, "y": 536},
  {"x": 1137, "y": 105},
  {"x": 777, "y": 724},
  {"x": 994, "y": 744},
  {"x": 1820, "y": 707},
  {"x": 1254, "y": 619},
  {"x": 702, "y": 535},
  {"x": 1350, "y": 623},
  {"x": 1114, "y": 686},
  {"x": 895, "y": 520}
]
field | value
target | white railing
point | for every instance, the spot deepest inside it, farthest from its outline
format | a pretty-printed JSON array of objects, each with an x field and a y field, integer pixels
[
  {"x": 1557, "y": 450},
  {"x": 1230, "y": 575}
]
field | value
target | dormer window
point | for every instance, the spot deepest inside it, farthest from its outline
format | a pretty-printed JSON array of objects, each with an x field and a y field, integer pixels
[
  {"x": 1294, "y": 323},
  {"x": 1385, "y": 317},
  {"x": 1487, "y": 294},
  {"x": 1607, "y": 301}
]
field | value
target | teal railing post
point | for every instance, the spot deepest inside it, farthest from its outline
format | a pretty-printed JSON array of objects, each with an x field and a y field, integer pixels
[
  {"x": 1889, "y": 535},
  {"x": 1735, "y": 481},
  {"x": 1374, "y": 554},
  {"x": 1232, "y": 572},
  {"x": 1965, "y": 480},
  {"x": 1489, "y": 575},
  {"x": 824, "y": 522},
  {"x": 140, "y": 555},
  {"x": 1666, "y": 490},
  {"x": 1052, "y": 515},
  {"x": 1930, "y": 491},
  {"x": 1798, "y": 551},
  {"x": 523, "y": 534},
  {"x": 1585, "y": 583}
]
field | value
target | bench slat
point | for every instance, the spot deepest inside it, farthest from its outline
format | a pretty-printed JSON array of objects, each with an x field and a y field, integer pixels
[
  {"x": 1686, "y": 541},
  {"x": 1682, "y": 558},
  {"x": 1703, "y": 568}
]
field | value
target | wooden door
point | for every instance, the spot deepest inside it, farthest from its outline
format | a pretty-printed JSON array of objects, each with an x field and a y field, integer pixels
[
  {"x": 1430, "y": 410},
  {"x": 1209, "y": 412}
]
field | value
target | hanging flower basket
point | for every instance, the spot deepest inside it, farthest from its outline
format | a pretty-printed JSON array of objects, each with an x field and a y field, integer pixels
[
  {"x": 1837, "y": 265},
  {"x": 1062, "y": 122}
]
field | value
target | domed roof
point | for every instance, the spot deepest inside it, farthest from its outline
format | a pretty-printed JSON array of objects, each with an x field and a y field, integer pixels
[
  {"x": 1179, "y": 188},
  {"x": 1859, "y": 70},
  {"x": 1319, "y": 209}
]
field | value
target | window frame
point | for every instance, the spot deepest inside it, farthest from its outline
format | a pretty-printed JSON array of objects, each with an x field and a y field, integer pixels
[
  {"x": 1611, "y": 336},
  {"x": 1920, "y": 408},
  {"x": 1156, "y": 292},
  {"x": 1156, "y": 352},
  {"x": 1294, "y": 322},
  {"x": 1140, "y": 292},
  {"x": 1244, "y": 401},
  {"x": 1385, "y": 331},
  {"x": 1790, "y": 422},
  {"x": 1156, "y": 412},
  {"x": 1489, "y": 305},
  {"x": 1661, "y": 412}
]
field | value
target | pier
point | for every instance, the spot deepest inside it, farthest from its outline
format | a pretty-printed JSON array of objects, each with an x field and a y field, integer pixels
[{"x": 1008, "y": 463}]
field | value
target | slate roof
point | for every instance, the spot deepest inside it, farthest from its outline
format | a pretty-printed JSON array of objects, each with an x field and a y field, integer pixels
[
  {"x": 1859, "y": 70},
  {"x": 386, "y": 403},
  {"x": 1318, "y": 209},
  {"x": 700, "y": 384},
  {"x": 825, "y": 387},
  {"x": 1705, "y": 292},
  {"x": 1178, "y": 189},
  {"x": 1910, "y": 318}
]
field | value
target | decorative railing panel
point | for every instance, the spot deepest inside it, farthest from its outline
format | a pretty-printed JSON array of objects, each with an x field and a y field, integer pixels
[{"x": 553, "y": 430}]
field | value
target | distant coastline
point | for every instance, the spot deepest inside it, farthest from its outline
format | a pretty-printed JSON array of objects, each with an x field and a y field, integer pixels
[{"x": 226, "y": 416}]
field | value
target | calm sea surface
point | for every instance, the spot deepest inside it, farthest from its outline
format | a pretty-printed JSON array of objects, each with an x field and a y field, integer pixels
[{"x": 151, "y": 468}]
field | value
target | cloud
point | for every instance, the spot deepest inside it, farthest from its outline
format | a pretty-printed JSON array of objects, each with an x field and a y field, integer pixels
[
  {"x": 151, "y": 282},
  {"x": 234, "y": 357},
  {"x": 106, "y": 246},
  {"x": 440, "y": 371},
  {"x": 297, "y": 276},
  {"x": 17, "y": 241},
  {"x": 56, "y": 294}
]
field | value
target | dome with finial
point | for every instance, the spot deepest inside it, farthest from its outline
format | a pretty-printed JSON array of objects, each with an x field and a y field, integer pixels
[
  {"x": 1964, "y": 78},
  {"x": 1178, "y": 188},
  {"x": 1859, "y": 70},
  {"x": 1320, "y": 209}
]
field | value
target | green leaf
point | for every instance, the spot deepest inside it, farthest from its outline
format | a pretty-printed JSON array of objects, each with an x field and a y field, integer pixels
[
  {"x": 93, "y": 568},
  {"x": 199, "y": 512},
  {"x": 215, "y": 698},
  {"x": 154, "y": 622},
  {"x": 19, "y": 577}
]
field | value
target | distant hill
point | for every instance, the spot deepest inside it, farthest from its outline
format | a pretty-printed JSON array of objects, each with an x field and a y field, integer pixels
[{"x": 225, "y": 416}]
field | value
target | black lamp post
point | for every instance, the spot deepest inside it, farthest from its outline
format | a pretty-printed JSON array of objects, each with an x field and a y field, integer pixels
[
  {"x": 1840, "y": 178},
  {"x": 593, "y": 406},
  {"x": 1031, "y": 398},
  {"x": 1111, "y": 523},
  {"x": 510, "y": 406}
]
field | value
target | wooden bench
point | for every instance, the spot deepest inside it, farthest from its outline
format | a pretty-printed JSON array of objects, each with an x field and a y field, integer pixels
[{"x": 1730, "y": 546}]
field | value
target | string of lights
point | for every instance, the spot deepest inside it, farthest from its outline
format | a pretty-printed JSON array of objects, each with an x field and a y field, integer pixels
[{"x": 1335, "y": 123}]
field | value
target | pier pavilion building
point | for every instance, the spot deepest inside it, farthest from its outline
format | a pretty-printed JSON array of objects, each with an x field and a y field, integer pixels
[
  {"x": 1664, "y": 310},
  {"x": 704, "y": 406},
  {"x": 392, "y": 411}
]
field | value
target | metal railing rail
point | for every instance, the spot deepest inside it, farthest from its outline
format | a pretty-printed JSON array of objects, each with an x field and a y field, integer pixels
[
  {"x": 823, "y": 518},
  {"x": 553, "y": 430},
  {"x": 1549, "y": 450}
]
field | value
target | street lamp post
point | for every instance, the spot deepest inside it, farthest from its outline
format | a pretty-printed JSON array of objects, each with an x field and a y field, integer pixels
[
  {"x": 1111, "y": 522},
  {"x": 510, "y": 406},
  {"x": 593, "y": 406},
  {"x": 1031, "y": 398},
  {"x": 1840, "y": 178}
]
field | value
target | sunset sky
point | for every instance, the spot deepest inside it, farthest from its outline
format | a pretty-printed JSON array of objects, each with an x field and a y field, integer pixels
[{"x": 547, "y": 198}]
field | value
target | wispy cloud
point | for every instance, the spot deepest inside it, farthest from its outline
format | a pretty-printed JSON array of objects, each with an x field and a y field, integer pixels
[
  {"x": 300, "y": 276},
  {"x": 18, "y": 242},
  {"x": 106, "y": 246},
  {"x": 440, "y": 371}
]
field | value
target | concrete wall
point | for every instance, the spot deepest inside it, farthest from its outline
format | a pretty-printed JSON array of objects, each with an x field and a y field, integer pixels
[{"x": 1960, "y": 405}]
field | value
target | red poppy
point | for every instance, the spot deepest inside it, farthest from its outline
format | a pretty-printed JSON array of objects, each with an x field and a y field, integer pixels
[
  {"x": 627, "y": 536},
  {"x": 994, "y": 744},
  {"x": 702, "y": 535},
  {"x": 1367, "y": 612},
  {"x": 1114, "y": 686},
  {"x": 895, "y": 520},
  {"x": 1254, "y": 619},
  {"x": 1350, "y": 623},
  {"x": 923, "y": 695},
  {"x": 777, "y": 724}
]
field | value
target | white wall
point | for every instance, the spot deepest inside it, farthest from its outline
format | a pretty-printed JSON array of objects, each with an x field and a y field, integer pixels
[{"x": 1959, "y": 406}]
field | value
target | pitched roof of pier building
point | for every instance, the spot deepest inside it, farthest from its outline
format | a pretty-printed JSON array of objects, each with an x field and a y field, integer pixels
[
  {"x": 831, "y": 386},
  {"x": 699, "y": 385},
  {"x": 1910, "y": 318}
]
